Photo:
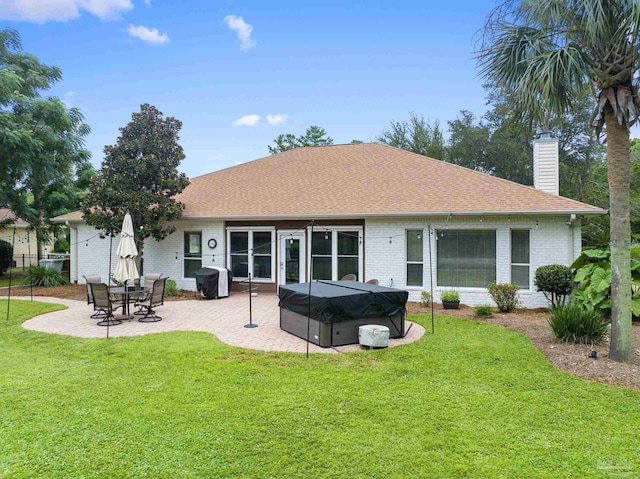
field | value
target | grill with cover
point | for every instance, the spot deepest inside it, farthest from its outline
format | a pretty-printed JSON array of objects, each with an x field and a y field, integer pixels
[{"x": 214, "y": 282}]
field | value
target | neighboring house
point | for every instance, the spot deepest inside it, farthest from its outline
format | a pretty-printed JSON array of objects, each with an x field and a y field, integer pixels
[
  {"x": 24, "y": 247},
  {"x": 373, "y": 207}
]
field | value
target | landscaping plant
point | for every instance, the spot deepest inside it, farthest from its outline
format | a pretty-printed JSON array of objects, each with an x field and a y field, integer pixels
[
  {"x": 483, "y": 311},
  {"x": 505, "y": 296},
  {"x": 594, "y": 275},
  {"x": 425, "y": 299},
  {"x": 572, "y": 323},
  {"x": 555, "y": 281},
  {"x": 170, "y": 288},
  {"x": 6, "y": 256},
  {"x": 46, "y": 277}
]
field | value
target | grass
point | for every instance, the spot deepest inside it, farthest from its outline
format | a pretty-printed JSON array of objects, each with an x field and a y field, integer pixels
[
  {"x": 17, "y": 278},
  {"x": 474, "y": 400}
]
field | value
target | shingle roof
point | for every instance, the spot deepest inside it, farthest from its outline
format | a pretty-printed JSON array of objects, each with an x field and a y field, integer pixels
[
  {"x": 359, "y": 180},
  {"x": 7, "y": 214}
]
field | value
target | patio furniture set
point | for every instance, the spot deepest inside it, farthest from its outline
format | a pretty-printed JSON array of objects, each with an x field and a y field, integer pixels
[{"x": 106, "y": 300}]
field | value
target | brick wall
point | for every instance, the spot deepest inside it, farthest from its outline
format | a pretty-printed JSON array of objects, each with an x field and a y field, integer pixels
[
  {"x": 159, "y": 257},
  {"x": 552, "y": 240}
]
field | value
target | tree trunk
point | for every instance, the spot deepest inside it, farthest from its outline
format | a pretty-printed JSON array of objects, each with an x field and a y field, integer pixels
[{"x": 618, "y": 168}]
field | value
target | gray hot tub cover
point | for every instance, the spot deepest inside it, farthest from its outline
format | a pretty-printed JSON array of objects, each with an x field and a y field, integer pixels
[{"x": 335, "y": 301}]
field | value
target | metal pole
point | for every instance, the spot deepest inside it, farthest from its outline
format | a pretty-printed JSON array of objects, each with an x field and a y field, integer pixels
[
  {"x": 250, "y": 325},
  {"x": 29, "y": 251},
  {"x": 310, "y": 279},
  {"x": 109, "y": 277},
  {"x": 13, "y": 242},
  {"x": 433, "y": 324}
]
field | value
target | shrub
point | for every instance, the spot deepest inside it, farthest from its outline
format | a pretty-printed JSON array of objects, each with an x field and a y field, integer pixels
[
  {"x": 593, "y": 272},
  {"x": 425, "y": 299},
  {"x": 41, "y": 276},
  {"x": 483, "y": 311},
  {"x": 170, "y": 288},
  {"x": 6, "y": 255},
  {"x": 555, "y": 281},
  {"x": 505, "y": 296},
  {"x": 449, "y": 296},
  {"x": 574, "y": 324}
]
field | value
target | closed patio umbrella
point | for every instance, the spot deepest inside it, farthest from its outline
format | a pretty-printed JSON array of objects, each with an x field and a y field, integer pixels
[{"x": 126, "y": 269}]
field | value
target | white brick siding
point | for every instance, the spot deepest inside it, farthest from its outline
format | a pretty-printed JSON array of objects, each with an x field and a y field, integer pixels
[
  {"x": 551, "y": 241},
  {"x": 159, "y": 257}
]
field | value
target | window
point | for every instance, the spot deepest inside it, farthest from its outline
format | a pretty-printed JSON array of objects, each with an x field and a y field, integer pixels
[
  {"x": 520, "y": 258},
  {"x": 336, "y": 253},
  {"x": 466, "y": 258},
  {"x": 192, "y": 253},
  {"x": 414, "y": 257},
  {"x": 251, "y": 252}
]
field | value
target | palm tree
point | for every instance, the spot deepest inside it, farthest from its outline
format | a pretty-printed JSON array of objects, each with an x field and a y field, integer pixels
[{"x": 545, "y": 52}]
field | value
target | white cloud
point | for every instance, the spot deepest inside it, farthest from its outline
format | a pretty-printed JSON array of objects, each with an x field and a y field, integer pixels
[
  {"x": 278, "y": 119},
  {"x": 243, "y": 31},
  {"x": 68, "y": 98},
  {"x": 247, "y": 120},
  {"x": 148, "y": 2},
  {"x": 150, "y": 35},
  {"x": 60, "y": 10}
]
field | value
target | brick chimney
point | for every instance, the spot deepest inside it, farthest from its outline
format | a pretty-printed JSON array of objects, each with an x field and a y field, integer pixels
[{"x": 546, "y": 168}]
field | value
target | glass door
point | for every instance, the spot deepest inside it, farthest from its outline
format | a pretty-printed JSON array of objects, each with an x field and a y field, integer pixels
[{"x": 291, "y": 257}]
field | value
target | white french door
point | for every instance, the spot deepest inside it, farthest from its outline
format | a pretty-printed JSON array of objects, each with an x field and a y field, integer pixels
[{"x": 291, "y": 257}]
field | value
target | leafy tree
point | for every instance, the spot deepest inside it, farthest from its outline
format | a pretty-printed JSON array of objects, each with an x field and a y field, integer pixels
[
  {"x": 546, "y": 52},
  {"x": 416, "y": 135},
  {"x": 41, "y": 140},
  {"x": 139, "y": 175},
  {"x": 314, "y": 136}
]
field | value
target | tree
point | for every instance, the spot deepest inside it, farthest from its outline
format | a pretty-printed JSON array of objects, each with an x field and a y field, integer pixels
[
  {"x": 139, "y": 175},
  {"x": 546, "y": 52},
  {"x": 314, "y": 136},
  {"x": 41, "y": 141},
  {"x": 416, "y": 135}
]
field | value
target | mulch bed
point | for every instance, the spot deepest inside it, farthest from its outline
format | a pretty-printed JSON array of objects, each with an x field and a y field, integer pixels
[{"x": 572, "y": 358}]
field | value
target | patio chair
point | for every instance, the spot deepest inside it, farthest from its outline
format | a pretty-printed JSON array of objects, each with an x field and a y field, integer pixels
[
  {"x": 92, "y": 278},
  {"x": 349, "y": 277},
  {"x": 373, "y": 281},
  {"x": 102, "y": 304},
  {"x": 155, "y": 299},
  {"x": 148, "y": 281}
]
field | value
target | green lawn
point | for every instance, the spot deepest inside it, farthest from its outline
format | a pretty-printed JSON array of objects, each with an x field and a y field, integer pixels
[{"x": 474, "y": 400}]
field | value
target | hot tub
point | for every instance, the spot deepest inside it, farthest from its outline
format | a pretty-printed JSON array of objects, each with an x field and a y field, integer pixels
[{"x": 336, "y": 309}]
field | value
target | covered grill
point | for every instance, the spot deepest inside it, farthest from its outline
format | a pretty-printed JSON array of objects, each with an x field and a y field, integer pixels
[
  {"x": 336, "y": 309},
  {"x": 214, "y": 282}
]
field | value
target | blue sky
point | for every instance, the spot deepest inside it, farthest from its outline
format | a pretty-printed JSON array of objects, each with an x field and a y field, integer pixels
[{"x": 349, "y": 67}]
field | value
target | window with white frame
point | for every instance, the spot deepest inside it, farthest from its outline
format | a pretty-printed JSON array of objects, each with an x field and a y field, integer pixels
[
  {"x": 414, "y": 257},
  {"x": 466, "y": 258},
  {"x": 192, "y": 253},
  {"x": 336, "y": 252},
  {"x": 520, "y": 258},
  {"x": 251, "y": 252}
]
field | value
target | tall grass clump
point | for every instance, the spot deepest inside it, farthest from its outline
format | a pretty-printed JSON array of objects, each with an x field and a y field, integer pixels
[
  {"x": 45, "y": 277},
  {"x": 574, "y": 324}
]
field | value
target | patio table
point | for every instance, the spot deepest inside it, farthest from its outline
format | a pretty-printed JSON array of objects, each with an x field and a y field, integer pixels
[{"x": 127, "y": 294}]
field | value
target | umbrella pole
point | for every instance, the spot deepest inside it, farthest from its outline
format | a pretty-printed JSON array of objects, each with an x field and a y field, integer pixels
[{"x": 13, "y": 242}]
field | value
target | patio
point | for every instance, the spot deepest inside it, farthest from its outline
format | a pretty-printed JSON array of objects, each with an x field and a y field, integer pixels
[{"x": 224, "y": 318}]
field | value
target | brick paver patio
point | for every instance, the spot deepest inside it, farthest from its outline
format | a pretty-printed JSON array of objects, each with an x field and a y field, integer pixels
[{"x": 225, "y": 318}]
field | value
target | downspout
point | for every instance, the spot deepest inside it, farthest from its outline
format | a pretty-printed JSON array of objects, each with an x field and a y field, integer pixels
[
  {"x": 74, "y": 253},
  {"x": 572, "y": 237}
]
